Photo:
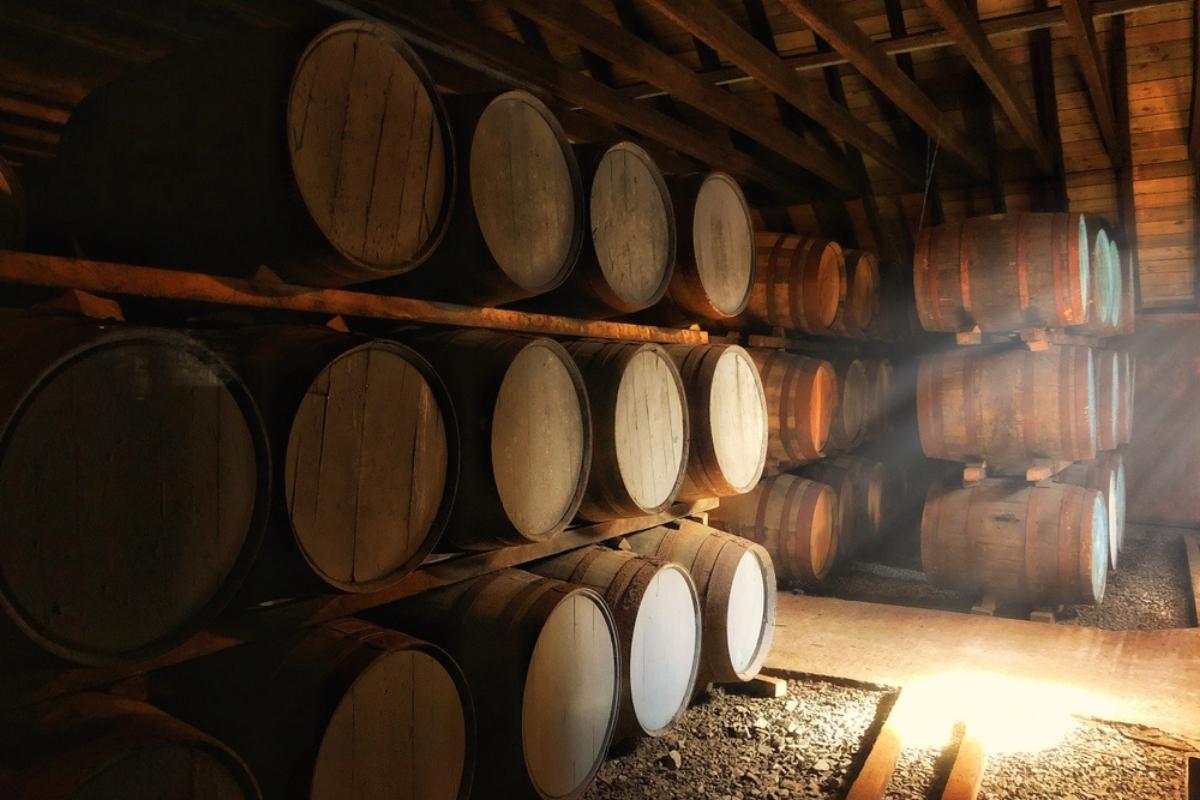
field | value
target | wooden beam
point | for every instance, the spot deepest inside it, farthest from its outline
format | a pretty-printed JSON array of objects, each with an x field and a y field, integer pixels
[
  {"x": 599, "y": 34},
  {"x": 966, "y": 776},
  {"x": 1194, "y": 126},
  {"x": 31, "y": 269},
  {"x": 1053, "y": 188},
  {"x": 896, "y": 45},
  {"x": 706, "y": 21},
  {"x": 1191, "y": 543},
  {"x": 829, "y": 21},
  {"x": 963, "y": 25},
  {"x": 873, "y": 779},
  {"x": 1078, "y": 14},
  {"x": 35, "y": 685},
  {"x": 1126, "y": 205},
  {"x": 433, "y": 26}
]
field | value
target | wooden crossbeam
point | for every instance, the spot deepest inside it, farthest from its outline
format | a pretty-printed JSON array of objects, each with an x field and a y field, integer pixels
[
  {"x": 912, "y": 43},
  {"x": 961, "y": 23},
  {"x": 706, "y": 21},
  {"x": 829, "y": 21},
  {"x": 1078, "y": 15},
  {"x": 604, "y": 37},
  {"x": 433, "y": 25}
]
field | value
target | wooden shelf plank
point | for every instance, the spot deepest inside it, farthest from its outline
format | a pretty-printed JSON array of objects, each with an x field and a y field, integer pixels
[
  {"x": 56, "y": 272},
  {"x": 279, "y": 618}
]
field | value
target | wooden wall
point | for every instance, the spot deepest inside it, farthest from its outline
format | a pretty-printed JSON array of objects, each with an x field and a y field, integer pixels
[{"x": 1163, "y": 463}]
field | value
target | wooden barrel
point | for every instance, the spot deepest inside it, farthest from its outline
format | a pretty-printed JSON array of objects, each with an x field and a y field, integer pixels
[
  {"x": 870, "y": 495},
  {"x": 861, "y": 302},
  {"x": 366, "y": 452},
  {"x": 1017, "y": 541},
  {"x": 1128, "y": 271},
  {"x": 727, "y": 413},
  {"x": 1007, "y": 404},
  {"x": 1104, "y": 291},
  {"x": 1105, "y": 474},
  {"x": 715, "y": 262},
  {"x": 801, "y": 282},
  {"x": 627, "y": 260},
  {"x": 13, "y": 219},
  {"x": 801, "y": 395},
  {"x": 1003, "y": 272},
  {"x": 329, "y": 159},
  {"x": 345, "y": 709},
  {"x": 1122, "y": 290},
  {"x": 795, "y": 519},
  {"x": 848, "y": 427},
  {"x": 543, "y": 661},
  {"x": 735, "y": 581},
  {"x": 879, "y": 394},
  {"x": 526, "y": 435},
  {"x": 657, "y": 614},
  {"x": 641, "y": 428},
  {"x": 1125, "y": 397},
  {"x": 518, "y": 223},
  {"x": 94, "y": 746},
  {"x": 134, "y": 486},
  {"x": 1108, "y": 398},
  {"x": 847, "y": 518}
]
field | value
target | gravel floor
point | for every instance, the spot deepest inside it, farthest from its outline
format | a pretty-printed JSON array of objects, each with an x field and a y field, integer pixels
[
  {"x": 734, "y": 747},
  {"x": 805, "y": 745},
  {"x": 1150, "y": 590}
]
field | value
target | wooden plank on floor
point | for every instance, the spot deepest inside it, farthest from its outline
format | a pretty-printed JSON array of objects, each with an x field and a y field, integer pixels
[
  {"x": 966, "y": 776},
  {"x": 1145, "y": 677},
  {"x": 872, "y": 780}
]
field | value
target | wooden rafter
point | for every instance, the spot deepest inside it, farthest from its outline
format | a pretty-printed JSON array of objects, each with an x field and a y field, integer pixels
[
  {"x": 1053, "y": 189},
  {"x": 1078, "y": 15},
  {"x": 912, "y": 43},
  {"x": 432, "y": 25},
  {"x": 706, "y": 21},
  {"x": 1126, "y": 206},
  {"x": 604, "y": 37},
  {"x": 963, "y": 25},
  {"x": 829, "y": 21}
]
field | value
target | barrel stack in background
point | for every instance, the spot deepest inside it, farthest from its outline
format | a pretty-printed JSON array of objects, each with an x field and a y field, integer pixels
[{"x": 1052, "y": 403}]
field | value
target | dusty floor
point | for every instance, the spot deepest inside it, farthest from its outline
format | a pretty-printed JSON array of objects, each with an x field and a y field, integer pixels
[
  {"x": 1149, "y": 590},
  {"x": 807, "y": 745}
]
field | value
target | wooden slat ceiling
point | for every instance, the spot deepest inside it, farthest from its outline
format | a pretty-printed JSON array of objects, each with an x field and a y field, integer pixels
[{"x": 902, "y": 113}]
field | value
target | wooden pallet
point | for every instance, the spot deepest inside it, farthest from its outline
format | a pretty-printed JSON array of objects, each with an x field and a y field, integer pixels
[{"x": 279, "y": 618}]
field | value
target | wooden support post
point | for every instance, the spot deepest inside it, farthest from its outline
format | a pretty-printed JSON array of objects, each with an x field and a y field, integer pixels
[
  {"x": 973, "y": 473},
  {"x": 1126, "y": 207},
  {"x": 1191, "y": 541},
  {"x": 762, "y": 686},
  {"x": 1045, "y": 94}
]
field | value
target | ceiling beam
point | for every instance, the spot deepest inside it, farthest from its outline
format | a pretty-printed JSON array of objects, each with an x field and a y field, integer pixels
[
  {"x": 828, "y": 20},
  {"x": 432, "y": 25},
  {"x": 1078, "y": 14},
  {"x": 604, "y": 37},
  {"x": 963, "y": 25},
  {"x": 707, "y": 22},
  {"x": 912, "y": 43}
]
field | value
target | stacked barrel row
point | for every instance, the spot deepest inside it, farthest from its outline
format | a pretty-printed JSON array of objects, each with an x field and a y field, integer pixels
[
  {"x": 344, "y": 166},
  {"x": 1010, "y": 407},
  {"x": 531, "y": 679}
]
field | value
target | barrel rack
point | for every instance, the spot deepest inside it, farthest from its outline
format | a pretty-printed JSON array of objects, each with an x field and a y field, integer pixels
[{"x": 89, "y": 287}]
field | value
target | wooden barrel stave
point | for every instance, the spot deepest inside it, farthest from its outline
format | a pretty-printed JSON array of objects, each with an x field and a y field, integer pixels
[
  {"x": 801, "y": 282},
  {"x": 344, "y": 708},
  {"x": 628, "y": 256},
  {"x": 92, "y": 746},
  {"x": 801, "y": 395},
  {"x": 1004, "y": 272},
  {"x": 1007, "y": 405},
  {"x": 641, "y": 428},
  {"x": 1017, "y": 541},
  {"x": 727, "y": 416},
  {"x": 652, "y": 602},
  {"x": 87, "y": 413},
  {"x": 525, "y": 431},
  {"x": 366, "y": 448},
  {"x": 797, "y": 521},
  {"x": 542, "y": 658},
  {"x": 735, "y": 580},
  {"x": 244, "y": 143}
]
